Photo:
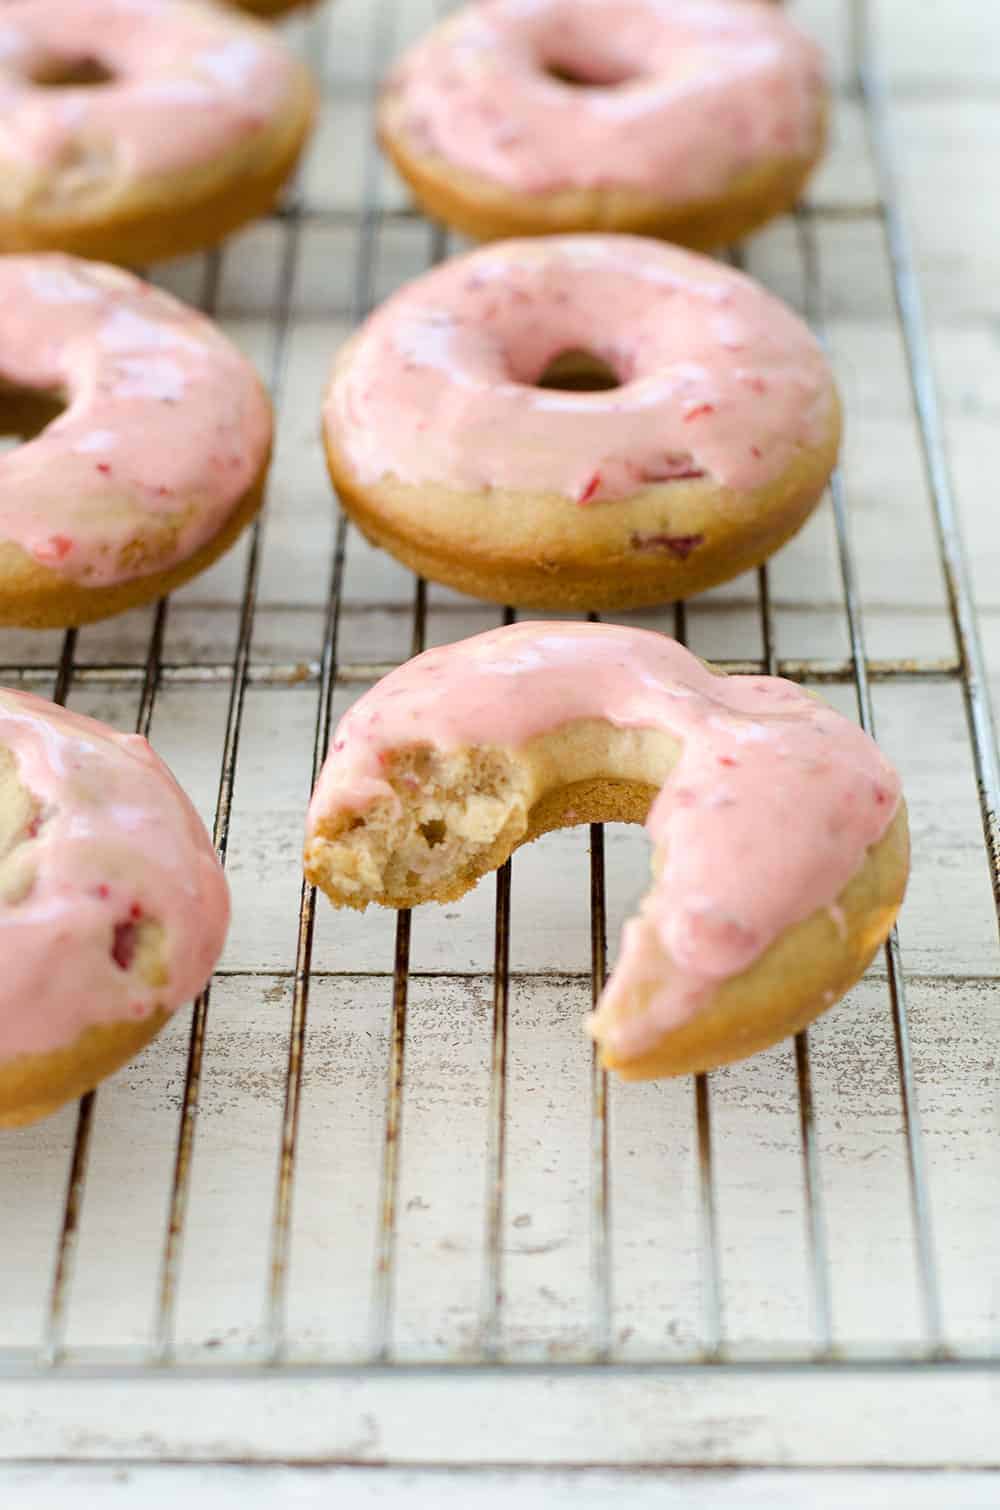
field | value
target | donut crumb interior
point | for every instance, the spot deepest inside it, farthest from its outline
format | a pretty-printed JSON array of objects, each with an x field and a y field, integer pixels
[{"x": 448, "y": 812}]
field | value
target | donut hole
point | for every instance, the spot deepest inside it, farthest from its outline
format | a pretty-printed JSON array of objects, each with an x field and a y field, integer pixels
[
  {"x": 596, "y": 73},
  {"x": 25, "y": 413},
  {"x": 578, "y": 371},
  {"x": 69, "y": 71}
]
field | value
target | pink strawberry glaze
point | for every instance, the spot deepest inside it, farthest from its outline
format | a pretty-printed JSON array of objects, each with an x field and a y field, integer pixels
[
  {"x": 717, "y": 376},
  {"x": 189, "y": 83},
  {"x": 166, "y": 422},
  {"x": 114, "y": 841},
  {"x": 767, "y": 815},
  {"x": 682, "y": 96}
]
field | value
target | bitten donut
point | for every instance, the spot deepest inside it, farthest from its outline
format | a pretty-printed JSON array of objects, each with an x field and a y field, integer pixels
[
  {"x": 132, "y": 130},
  {"x": 154, "y": 466},
  {"x": 695, "y": 120},
  {"x": 779, "y": 833},
  {"x": 711, "y": 451},
  {"x": 113, "y": 906}
]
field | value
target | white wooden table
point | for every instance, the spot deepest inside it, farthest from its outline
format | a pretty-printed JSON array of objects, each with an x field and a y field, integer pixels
[
  {"x": 103, "y": 1436},
  {"x": 231, "y": 1487}
]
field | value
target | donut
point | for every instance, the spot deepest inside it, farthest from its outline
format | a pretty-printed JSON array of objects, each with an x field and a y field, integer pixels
[
  {"x": 779, "y": 832},
  {"x": 154, "y": 466},
  {"x": 138, "y": 129},
  {"x": 695, "y": 120},
  {"x": 113, "y": 906},
  {"x": 710, "y": 453}
]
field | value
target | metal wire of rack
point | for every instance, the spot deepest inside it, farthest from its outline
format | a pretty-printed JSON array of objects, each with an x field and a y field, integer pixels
[{"x": 53, "y": 1357}]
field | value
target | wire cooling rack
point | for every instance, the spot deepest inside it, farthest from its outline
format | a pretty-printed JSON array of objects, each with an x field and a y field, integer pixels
[{"x": 246, "y": 1204}]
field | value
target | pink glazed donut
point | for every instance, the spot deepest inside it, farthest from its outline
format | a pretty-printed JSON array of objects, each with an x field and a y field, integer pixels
[
  {"x": 132, "y": 130},
  {"x": 695, "y": 120},
  {"x": 779, "y": 830},
  {"x": 154, "y": 466},
  {"x": 710, "y": 453},
  {"x": 113, "y": 906}
]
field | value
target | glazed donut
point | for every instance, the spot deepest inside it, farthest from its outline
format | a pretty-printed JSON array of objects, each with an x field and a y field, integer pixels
[
  {"x": 780, "y": 838},
  {"x": 157, "y": 462},
  {"x": 695, "y": 120},
  {"x": 708, "y": 456},
  {"x": 113, "y": 906},
  {"x": 138, "y": 129}
]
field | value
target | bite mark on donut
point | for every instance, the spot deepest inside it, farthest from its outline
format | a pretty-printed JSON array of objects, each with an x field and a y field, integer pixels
[
  {"x": 680, "y": 546},
  {"x": 446, "y": 811}
]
